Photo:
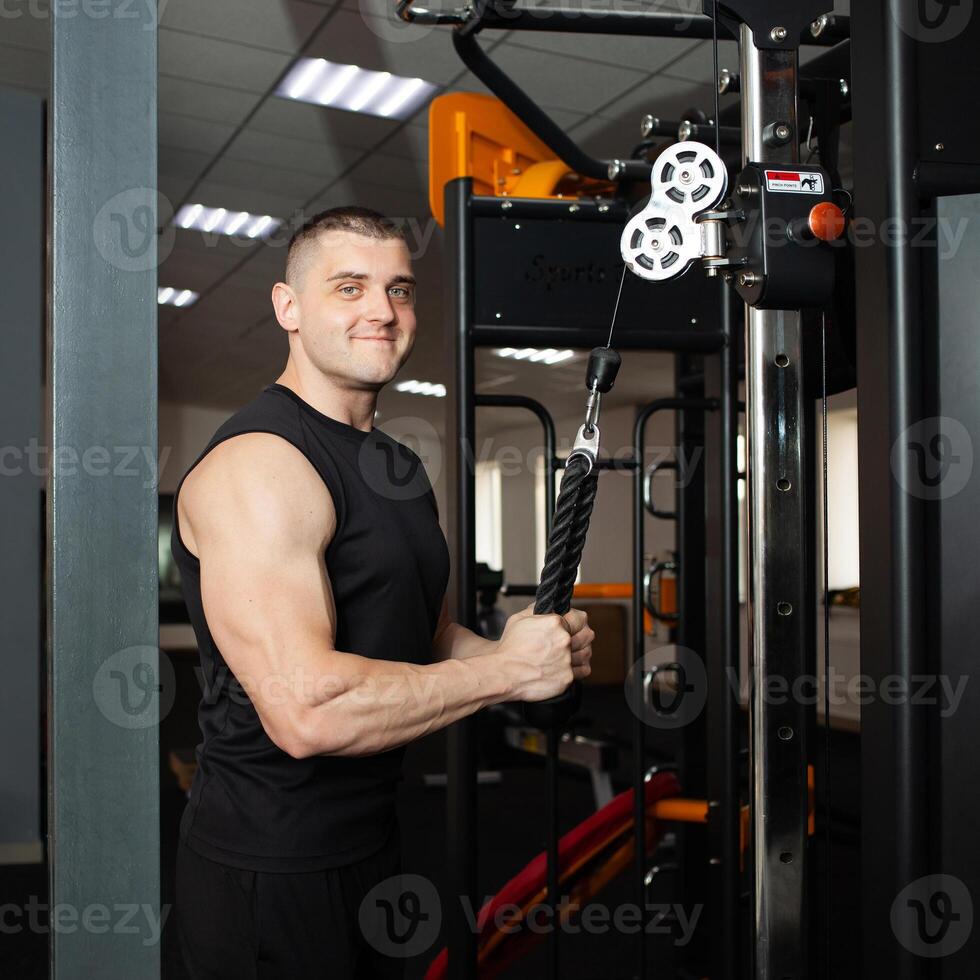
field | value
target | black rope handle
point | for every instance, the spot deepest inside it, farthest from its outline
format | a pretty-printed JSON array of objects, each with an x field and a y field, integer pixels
[{"x": 572, "y": 515}]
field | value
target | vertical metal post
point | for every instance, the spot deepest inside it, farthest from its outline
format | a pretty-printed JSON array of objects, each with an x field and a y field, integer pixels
[
  {"x": 461, "y": 494},
  {"x": 639, "y": 642},
  {"x": 722, "y": 659},
  {"x": 951, "y": 567},
  {"x": 690, "y": 633},
  {"x": 104, "y": 675},
  {"x": 639, "y": 728},
  {"x": 553, "y": 833},
  {"x": 777, "y": 571},
  {"x": 895, "y": 812}
]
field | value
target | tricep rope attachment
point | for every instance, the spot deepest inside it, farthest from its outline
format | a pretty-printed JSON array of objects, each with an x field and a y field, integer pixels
[{"x": 573, "y": 512}]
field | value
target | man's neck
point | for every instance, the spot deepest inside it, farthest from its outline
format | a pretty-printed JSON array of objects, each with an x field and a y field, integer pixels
[{"x": 351, "y": 406}]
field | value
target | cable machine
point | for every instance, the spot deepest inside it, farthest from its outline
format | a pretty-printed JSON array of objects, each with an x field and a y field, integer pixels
[{"x": 772, "y": 235}]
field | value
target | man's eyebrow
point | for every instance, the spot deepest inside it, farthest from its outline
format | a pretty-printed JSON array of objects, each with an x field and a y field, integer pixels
[
  {"x": 407, "y": 280},
  {"x": 348, "y": 275}
]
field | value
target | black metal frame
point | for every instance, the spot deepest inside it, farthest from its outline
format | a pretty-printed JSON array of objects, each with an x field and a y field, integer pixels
[
  {"x": 462, "y": 265},
  {"x": 681, "y": 406},
  {"x": 917, "y": 337},
  {"x": 902, "y": 377}
]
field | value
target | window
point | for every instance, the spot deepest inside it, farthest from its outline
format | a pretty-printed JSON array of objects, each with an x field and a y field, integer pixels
[{"x": 489, "y": 530}]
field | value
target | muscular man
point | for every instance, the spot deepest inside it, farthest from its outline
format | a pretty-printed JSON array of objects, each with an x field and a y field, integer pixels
[{"x": 314, "y": 570}]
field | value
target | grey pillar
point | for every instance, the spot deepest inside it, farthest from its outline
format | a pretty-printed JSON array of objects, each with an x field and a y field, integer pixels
[
  {"x": 21, "y": 336},
  {"x": 102, "y": 503}
]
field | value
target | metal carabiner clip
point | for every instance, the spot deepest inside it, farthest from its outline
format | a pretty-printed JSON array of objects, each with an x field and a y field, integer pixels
[
  {"x": 587, "y": 438},
  {"x": 586, "y": 445}
]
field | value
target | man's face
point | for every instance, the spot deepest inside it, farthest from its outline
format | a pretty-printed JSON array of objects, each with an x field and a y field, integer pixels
[{"x": 355, "y": 308}]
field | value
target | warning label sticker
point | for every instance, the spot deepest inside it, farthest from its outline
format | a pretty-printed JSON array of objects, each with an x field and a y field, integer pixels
[{"x": 795, "y": 181}]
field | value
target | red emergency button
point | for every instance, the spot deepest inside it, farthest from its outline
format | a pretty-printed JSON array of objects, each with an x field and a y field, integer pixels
[{"x": 826, "y": 221}]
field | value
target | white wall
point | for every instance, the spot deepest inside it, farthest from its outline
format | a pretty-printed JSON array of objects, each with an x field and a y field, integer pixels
[
  {"x": 842, "y": 499},
  {"x": 184, "y": 431}
]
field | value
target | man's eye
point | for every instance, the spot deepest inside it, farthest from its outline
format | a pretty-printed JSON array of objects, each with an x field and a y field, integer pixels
[
  {"x": 401, "y": 291},
  {"x": 344, "y": 289}
]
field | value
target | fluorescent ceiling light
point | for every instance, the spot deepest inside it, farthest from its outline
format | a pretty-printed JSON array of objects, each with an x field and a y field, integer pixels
[
  {"x": 337, "y": 83},
  {"x": 169, "y": 296},
  {"x": 422, "y": 388},
  {"x": 369, "y": 89},
  {"x": 220, "y": 221},
  {"x": 549, "y": 355},
  {"x": 307, "y": 77},
  {"x": 400, "y": 96},
  {"x": 355, "y": 89}
]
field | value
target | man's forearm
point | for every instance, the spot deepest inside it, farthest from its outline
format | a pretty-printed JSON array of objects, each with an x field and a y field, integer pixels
[
  {"x": 456, "y": 642},
  {"x": 379, "y": 704}
]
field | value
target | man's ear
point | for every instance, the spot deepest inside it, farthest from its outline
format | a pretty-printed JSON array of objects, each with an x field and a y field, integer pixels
[{"x": 286, "y": 306}]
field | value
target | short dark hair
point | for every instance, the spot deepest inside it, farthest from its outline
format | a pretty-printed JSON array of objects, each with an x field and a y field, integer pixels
[{"x": 349, "y": 218}]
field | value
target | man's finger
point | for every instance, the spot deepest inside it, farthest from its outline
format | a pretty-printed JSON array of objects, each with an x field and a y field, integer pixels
[{"x": 576, "y": 618}]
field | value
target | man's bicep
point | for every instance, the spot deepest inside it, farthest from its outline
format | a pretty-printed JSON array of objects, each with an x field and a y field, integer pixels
[{"x": 264, "y": 586}]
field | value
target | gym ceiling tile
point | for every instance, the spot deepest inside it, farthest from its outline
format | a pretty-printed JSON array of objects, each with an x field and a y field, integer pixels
[
  {"x": 647, "y": 54},
  {"x": 411, "y": 142},
  {"x": 199, "y": 261},
  {"x": 552, "y": 79},
  {"x": 204, "y": 59},
  {"x": 697, "y": 65},
  {"x": 393, "y": 201},
  {"x": 215, "y": 103},
  {"x": 181, "y": 161},
  {"x": 305, "y": 121},
  {"x": 668, "y": 98},
  {"x": 281, "y": 26},
  {"x": 238, "y": 305},
  {"x": 351, "y": 38},
  {"x": 291, "y": 185},
  {"x": 192, "y": 265},
  {"x": 392, "y": 171},
  {"x": 189, "y": 132},
  {"x": 322, "y": 156}
]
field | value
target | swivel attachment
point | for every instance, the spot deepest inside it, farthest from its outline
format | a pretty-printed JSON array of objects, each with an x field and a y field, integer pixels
[{"x": 599, "y": 378}]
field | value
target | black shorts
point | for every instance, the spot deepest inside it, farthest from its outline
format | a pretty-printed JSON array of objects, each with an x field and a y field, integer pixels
[{"x": 258, "y": 925}]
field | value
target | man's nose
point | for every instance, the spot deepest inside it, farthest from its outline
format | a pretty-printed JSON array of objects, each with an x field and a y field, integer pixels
[{"x": 380, "y": 308}]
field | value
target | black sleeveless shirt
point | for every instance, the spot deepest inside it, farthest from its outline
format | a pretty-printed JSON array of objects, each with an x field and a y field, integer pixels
[{"x": 251, "y": 804}]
